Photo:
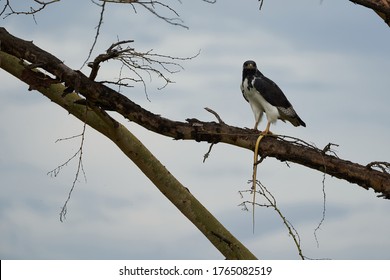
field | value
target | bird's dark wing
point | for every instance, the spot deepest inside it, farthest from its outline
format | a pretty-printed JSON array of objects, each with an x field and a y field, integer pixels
[{"x": 270, "y": 91}]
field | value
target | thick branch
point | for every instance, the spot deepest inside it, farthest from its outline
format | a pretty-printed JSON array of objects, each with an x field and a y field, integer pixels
[{"x": 194, "y": 129}]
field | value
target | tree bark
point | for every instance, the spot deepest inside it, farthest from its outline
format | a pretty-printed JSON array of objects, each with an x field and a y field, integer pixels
[{"x": 193, "y": 129}]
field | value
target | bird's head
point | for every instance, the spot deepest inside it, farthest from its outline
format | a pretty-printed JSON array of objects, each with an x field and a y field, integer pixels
[{"x": 249, "y": 68}]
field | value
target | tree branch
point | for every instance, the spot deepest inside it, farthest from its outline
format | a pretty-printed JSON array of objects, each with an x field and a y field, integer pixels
[
  {"x": 194, "y": 129},
  {"x": 41, "y": 5}
]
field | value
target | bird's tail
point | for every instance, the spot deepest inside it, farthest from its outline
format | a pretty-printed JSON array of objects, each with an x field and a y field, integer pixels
[
  {"x": 297, "y": 121},
  {"x": 290, "y": 115}
]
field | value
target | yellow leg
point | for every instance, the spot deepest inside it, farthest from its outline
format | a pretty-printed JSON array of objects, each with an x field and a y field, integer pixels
[{"x": 266, "y": 131}]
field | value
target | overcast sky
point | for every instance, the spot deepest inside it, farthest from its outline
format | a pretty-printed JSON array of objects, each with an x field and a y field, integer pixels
[{"x": 331, "y": 59}]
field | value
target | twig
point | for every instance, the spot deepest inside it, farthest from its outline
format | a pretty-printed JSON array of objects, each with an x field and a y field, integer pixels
[
  {"x": 138, "y": 63},
  {"x": 103, "y": 5},
  {"x": 80, "y": 167},
  {"x": 261, "y": 4},
  {"x": 68, "y": 138},
  {"x": 382, "y": 165},
  {"x": 328, "y": 148},
  {"x": 32, "y": 11},
  {"x": 151, "y": 6},
  {"x": 271, "y": 203},
  {"x": 221, "y": 122},
  {"x": 111, "y": 53},
  {"x": 206, "y": 155},
  {"x": 215, "y": 114},
  {"x": 324, "y": 151},
  {"x": 323, "y": 210}
]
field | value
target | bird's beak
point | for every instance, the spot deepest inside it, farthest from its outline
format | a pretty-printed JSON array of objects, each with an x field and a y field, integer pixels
[{"x": 250, "y": 66}]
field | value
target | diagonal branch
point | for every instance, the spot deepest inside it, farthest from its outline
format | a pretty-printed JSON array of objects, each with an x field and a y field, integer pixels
[{"x": 194, "y": 129}]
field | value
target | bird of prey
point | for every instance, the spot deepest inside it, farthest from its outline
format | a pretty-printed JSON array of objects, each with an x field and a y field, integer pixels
[{"x": 265, "y": 96}]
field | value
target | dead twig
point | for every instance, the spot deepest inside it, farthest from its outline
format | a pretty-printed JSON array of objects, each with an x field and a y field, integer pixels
[
  {"x": 153, "y": 7},
  {"x": 138, "y": 64},
  {"x": 32, "y": 11},
  {"x": 215, "y": 114},
  {"x": 328, "y": 149},
  {"x": 261, "y": 4},
  {"x": 381, "y": 165},
  {"x": 79, "y": 170},
  {"x": 212, "y": 144},
  {"x": 206, "y": 155},
  {"x": 98, "y": 27},
  {"x": 270, "y": 202}
]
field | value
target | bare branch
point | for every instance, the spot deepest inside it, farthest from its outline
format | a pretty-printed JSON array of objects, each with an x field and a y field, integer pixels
[
  {"x": 215, "y": 114},
  {"x": 206, "y": 155},
  {"x": 153, "y": 6},
  {"x": 261, "y": 4},
  {"x": 318, "y": 227},
  {"x": 328, "y": 148},
  {"x": 381, "y": 165},
  {"x": 80, "y": 167},
  {"x": 111, "y": 53},
  {"x": 270, "y": 202},
  {"x": 103, "y": 5},
  {"x": 32, "y": 11},
  {"x": 139, "y": 64}
]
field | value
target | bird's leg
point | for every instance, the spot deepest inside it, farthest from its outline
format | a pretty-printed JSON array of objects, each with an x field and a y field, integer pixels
[
  {"x": 256, "y": 125},
  {"x": 257, "y": 122},
  {"x": 266, "y": 131}
]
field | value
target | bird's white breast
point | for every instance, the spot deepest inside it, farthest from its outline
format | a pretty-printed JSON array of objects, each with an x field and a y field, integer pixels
[{"x": 258, "y": 103}]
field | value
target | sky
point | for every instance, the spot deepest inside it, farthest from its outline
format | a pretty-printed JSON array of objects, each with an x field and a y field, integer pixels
[{"x": 331, "y": 60}]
